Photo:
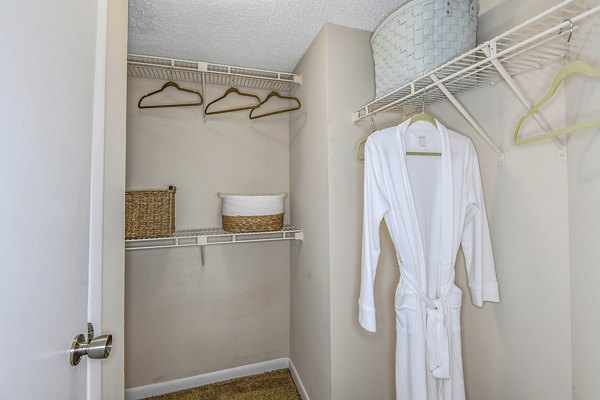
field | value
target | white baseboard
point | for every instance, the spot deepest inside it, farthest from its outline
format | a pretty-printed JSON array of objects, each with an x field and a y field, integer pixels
[
  {"x": 156, "y": 389},
  {"x": 298, "y": 381}
]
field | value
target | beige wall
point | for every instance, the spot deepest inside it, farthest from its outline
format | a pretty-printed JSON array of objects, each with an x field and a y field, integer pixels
[
  {"x": 362, "y": 363},
  {"x": 520, "y": 348},
  {"x": 182, "y": 319},
  {"x": 582, "y": 100},
  {"x": 310, "y": 320},
  {"x": 326, "y": 185},
  {"x": 485, "y": 5}
]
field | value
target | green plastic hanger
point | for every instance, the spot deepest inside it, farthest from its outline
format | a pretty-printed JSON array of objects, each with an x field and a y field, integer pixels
[
  {"x": 427, "y": 118},
  {"x": 360, "y": 155},
  {"x": 571, "y": 68},
  {"x": 423, "y": 116},
  {"x": 419, "y": 117}
]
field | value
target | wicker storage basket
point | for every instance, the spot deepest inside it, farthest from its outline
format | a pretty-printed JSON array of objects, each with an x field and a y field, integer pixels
[
  {"x": 149, "y": 213},
  {"x": 252, "y": 213},
  {"x": 420, "y": 36}
]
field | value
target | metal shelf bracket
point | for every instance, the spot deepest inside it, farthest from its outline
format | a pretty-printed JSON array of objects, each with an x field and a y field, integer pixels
[
  {"x": 471, "y": 120},
  {"x": 491, "y": 53}
]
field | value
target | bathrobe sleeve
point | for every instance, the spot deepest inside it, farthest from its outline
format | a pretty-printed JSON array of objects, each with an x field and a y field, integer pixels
[
  {"x": 476, "y": 241},
  {"x": 375, "y": 207}
]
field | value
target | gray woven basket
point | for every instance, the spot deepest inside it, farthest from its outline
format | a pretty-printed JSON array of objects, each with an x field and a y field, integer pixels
[{"x": 420, "y": 36}]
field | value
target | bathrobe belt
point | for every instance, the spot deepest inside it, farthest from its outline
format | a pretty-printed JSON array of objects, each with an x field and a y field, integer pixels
[{"x": 438, "y": 345}]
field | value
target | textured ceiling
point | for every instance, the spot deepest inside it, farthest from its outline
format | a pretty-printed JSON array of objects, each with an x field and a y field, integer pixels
[{"x": 269, "y": 34}]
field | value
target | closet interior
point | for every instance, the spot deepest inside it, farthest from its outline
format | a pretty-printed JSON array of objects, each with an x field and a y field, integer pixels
[
  {"x": 287, "y": 298},
  {"x": 233, "y": 298}
]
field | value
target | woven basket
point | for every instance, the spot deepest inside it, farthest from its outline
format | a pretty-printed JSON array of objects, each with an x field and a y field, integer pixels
[
  {"x": 252, "y": 213},
  {"x": 254, "y": 223},
  {"x": 420, "y": 36},
  {"x": 149, "y": 213}
]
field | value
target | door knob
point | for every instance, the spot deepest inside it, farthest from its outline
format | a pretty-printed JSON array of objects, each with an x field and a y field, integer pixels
[{"x": 97, "y": 348}]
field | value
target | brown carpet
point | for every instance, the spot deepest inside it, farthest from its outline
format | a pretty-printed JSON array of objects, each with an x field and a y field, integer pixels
[{"x": 276, "y": 385}]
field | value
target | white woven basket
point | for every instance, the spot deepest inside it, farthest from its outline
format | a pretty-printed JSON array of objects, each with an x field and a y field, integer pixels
[
  {"x": 420, "y": 36},
  {"x": 234, "y": 205},
  {"x": 252, "y": 213}
]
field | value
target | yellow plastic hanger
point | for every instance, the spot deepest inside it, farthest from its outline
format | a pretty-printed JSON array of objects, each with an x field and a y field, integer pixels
[
  {"x": 359, "y": 155},
  {"x": 571, "y": 68},
  {"x": 419, "y": 117},
  {"x": 423, "y": 116}
]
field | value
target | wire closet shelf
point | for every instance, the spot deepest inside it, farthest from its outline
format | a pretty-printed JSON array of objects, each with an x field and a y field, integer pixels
[
  {"x": 208, "y": 236},
  {"x": 538, "y": 41},
  {"x": 141, "y": 66}
]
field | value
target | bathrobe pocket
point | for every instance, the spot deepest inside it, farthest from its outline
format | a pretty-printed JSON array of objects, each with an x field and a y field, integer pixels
[{"x": 406, "y": 311}]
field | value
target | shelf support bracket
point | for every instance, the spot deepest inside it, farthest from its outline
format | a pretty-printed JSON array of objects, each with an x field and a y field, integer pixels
[
  {"x": 202, "y": 242},
  {"x": 490, "y": 52},
  {"x": 203, "y": 79},
  {"x": 471, "y": 120}
]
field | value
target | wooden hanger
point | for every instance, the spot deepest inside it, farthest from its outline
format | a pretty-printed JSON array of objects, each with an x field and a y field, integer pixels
[
  {"x": 571, "y": 68},
  {"x": 228, "y": 110},
  {"x": 176, "y": 86},
  {"x": 276, "y": 94}
]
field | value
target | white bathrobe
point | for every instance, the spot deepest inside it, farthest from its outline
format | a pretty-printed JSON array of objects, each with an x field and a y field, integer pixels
[{"x": 431, "y": 206}]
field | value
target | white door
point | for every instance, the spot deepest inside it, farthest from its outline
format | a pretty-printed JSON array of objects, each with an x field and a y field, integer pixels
[{"x": 47, "y": 79}]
